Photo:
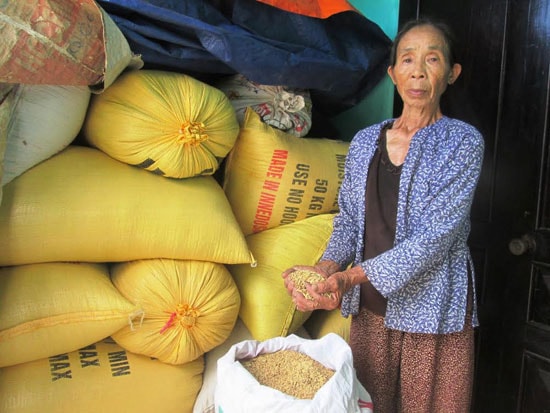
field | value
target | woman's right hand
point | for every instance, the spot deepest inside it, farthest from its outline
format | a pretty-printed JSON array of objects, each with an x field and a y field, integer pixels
[{"x": 328, "y": 294}]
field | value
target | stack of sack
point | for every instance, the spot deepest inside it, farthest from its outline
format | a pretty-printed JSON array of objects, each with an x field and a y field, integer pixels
[
  {"x": 125, "y": 262},
  {"x": 156, "y": 242},
  {"x": 49, "y": 312},
  {"x": 283, "y": 191},
  {"x": 112, "y": 275}
]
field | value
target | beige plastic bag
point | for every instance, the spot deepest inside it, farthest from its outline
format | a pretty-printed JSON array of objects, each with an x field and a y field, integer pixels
[{"x": 44, "y": 121}]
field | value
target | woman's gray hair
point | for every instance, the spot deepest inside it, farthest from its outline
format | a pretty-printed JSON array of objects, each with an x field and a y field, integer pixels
[{"x": 442, "y": 27}]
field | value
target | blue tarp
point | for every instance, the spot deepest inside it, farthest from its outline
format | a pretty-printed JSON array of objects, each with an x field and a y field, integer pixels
[{"x": 339, "y": 59}]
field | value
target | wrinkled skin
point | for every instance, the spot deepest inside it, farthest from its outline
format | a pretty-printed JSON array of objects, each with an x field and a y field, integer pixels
[{"x": 336, "y": 283}]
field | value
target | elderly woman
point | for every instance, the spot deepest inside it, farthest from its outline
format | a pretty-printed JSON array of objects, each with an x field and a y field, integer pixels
[{"x": 397, "y": 260}]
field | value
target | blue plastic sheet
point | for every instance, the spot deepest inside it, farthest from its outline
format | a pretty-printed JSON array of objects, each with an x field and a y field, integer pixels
[{"x": 339, "y": 59}]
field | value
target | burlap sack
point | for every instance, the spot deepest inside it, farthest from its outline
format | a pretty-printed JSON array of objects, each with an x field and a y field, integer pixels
[{"x": 61, "y": 42}]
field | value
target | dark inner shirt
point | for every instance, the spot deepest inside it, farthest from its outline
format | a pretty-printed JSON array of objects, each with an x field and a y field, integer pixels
[{"x": 380, "y": 216}]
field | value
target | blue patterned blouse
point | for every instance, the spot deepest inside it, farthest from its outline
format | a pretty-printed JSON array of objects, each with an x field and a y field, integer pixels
[{"x": 425, "y": 275}]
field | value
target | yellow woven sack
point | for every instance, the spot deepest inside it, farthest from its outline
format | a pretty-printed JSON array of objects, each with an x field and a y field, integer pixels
[
  {"x": 322, "y": 322},
  {"x": 100, "y": 378},
  {"x": 190, "y": 307},
  {"x": 168, "y": 123},
  {"x": 266, "y": 308},
  {"x": 273, "y": 178},
  {"x": 82, "y": 205},
  {"x": 52, "y": 308}
]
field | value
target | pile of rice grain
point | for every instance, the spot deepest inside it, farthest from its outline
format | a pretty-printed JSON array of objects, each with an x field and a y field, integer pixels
[
  {"x": 301, "y": 277},
  {"x": 290, "y": 372}
]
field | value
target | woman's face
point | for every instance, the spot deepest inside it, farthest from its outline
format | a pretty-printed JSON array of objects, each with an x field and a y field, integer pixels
[{"x": 422, "y": 72}]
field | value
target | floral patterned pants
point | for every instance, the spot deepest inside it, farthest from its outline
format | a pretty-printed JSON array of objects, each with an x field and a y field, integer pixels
[{"x": 413, "y": 373}]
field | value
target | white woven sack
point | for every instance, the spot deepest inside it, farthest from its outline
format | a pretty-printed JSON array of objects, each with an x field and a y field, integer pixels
[
  {"x": 44, "y": 120},
  {"x": 6, "y": 106},
  {"x": 204, "y": 402},
  {"x": 238, "y": 391}
]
